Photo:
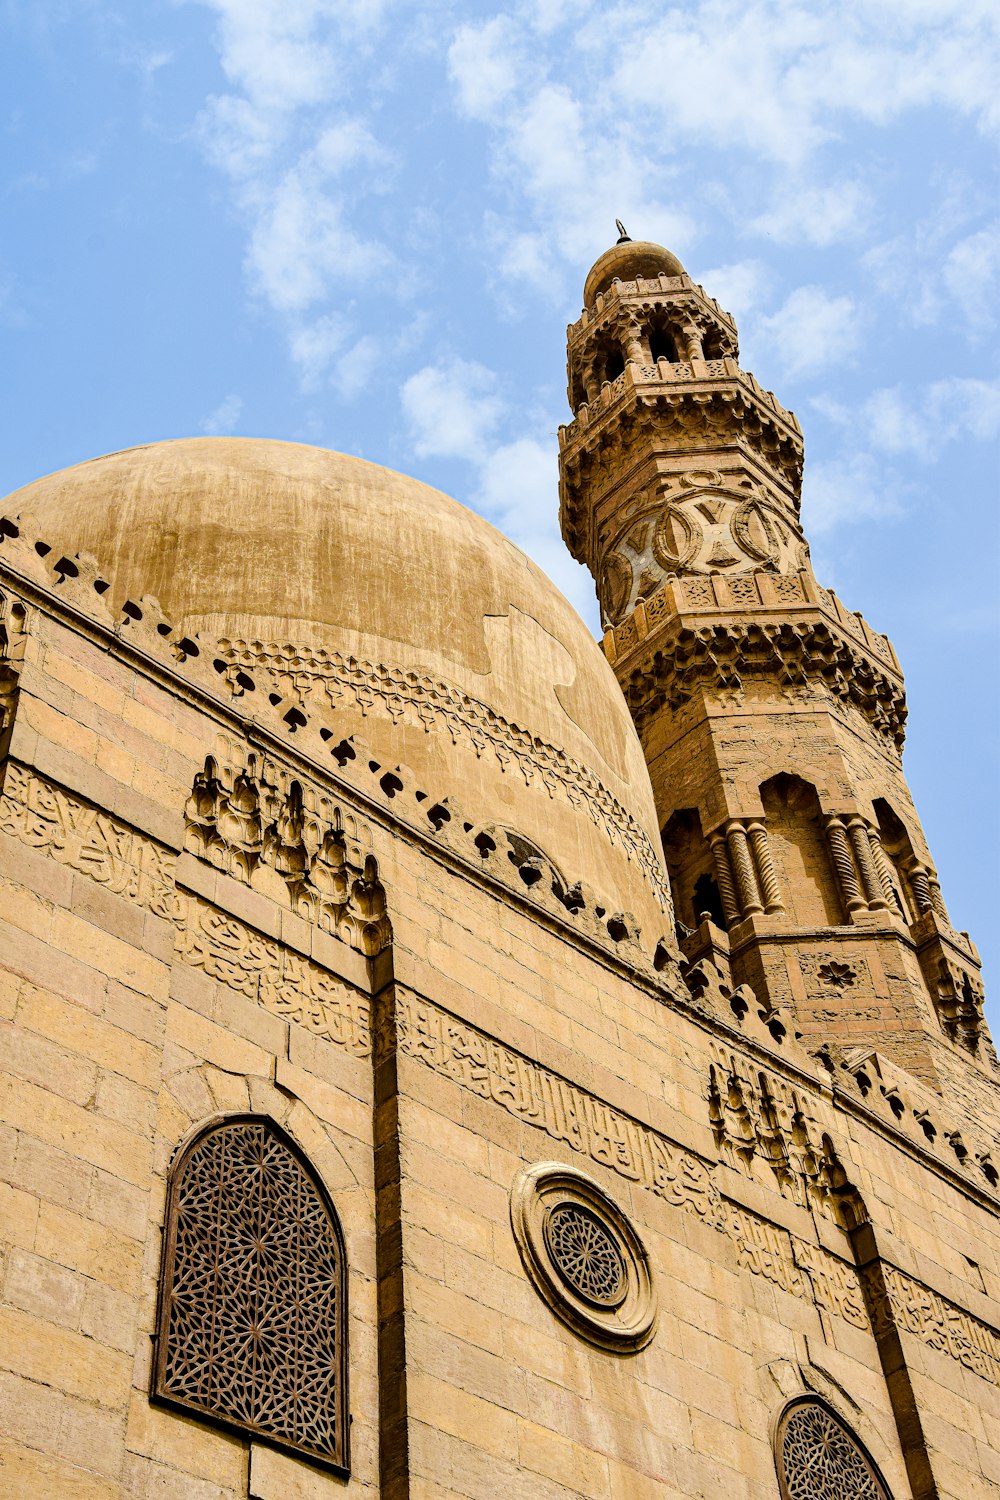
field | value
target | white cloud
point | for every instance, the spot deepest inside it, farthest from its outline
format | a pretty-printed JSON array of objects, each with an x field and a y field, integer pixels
[
  {"x": 781, "y": 79},
  {"x": 303, "y": 243},
  {"x": 225, "y": 418},
  {"x": 925, "y": 422},
  {"x": 273, "y": 51},
  {"x": 604, "y": 121},
  {"x": 237, "y": 137},
  {"x": 940, "y": 267},
  {"x": 519, "y": 492},
  {"x": 356, "y": 368},
  {"x": 847, "y": 489},
  {"x": 314, "y": 345},
  {"x": 300, "y": 162},
  {"x": 739, "y": 288},
  {"x": 811, "y": 331},
  {"x": 820, "y": 215},
  {"x": 452, "y": 410},
  {"x": 920, "y": 423},
  {"x": 484, "y": 64},
  {"x": 971, "y": 275}
]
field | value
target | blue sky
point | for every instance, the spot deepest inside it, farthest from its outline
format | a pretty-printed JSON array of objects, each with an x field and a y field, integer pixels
[{"x": 366, "y": 225}]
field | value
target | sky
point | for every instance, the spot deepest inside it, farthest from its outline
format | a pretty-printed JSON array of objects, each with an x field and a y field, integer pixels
[{"x": 365, "y": 224}]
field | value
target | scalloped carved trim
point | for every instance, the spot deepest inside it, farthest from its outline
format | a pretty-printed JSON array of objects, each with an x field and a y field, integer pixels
[{"x": 433, "y": 704}]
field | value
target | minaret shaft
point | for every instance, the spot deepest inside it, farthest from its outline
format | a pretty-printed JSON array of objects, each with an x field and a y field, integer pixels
[{"x": 771, "y": 716}]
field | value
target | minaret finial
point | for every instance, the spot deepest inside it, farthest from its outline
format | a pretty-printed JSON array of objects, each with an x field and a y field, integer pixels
[{"x": 624, "y": 238}]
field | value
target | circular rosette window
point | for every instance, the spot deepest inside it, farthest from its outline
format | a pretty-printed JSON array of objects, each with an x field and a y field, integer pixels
[{"x": 583, "y": 1256}]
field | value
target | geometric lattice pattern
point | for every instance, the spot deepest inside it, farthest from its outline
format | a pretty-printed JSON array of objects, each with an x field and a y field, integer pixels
[
  {"x": 819, "y": 1458},
  {"x": 585, "y": 1254},
  {"x": 252, "y": 1328}
]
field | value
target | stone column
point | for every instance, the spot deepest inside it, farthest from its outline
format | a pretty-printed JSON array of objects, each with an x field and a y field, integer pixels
[
  {"x": 746, "y": 880},
  {"x": 632, "y": 346},
  {"x": 920, "y": 885},
  {"x": 591, "y": 384},
  {"x": 692, "y": 338},
  {"x": 881, "y": 862},
  {"x": 724, "y": 879},
  {"x": 766, "y": 873},
  {"x": 857, "y": 830},
  {"x": 843, "y": 864},
  {"x": 937, "y": 900}
]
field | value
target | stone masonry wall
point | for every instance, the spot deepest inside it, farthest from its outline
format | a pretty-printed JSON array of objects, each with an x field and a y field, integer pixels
[{"x": 145, "y": 990}]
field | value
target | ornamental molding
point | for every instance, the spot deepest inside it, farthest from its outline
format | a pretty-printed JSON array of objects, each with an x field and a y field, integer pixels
[
  {"x": 75, "y": 833},
  {"x": 792, "y": 653},
  {"x": 308, "y": 674},
  {"x": 674, "y": 1173},
  {"x": 269, "y": 830},
  {"x": 533, "y": 1094},
  {"x": 900, "y": 1303},
  {"x": 685, "y": 295},
  {"x": 583, "y": 1256},
  {"x": 277, "y": 977}
]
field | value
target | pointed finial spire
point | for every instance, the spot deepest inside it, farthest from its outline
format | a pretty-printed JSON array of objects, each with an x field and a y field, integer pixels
[{"x": 624, "y": 238}]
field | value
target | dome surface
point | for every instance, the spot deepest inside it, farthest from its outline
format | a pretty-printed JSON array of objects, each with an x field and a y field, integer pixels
[
  {"x": 402, "y": 616},
  {"x": 627, "y": 260}
]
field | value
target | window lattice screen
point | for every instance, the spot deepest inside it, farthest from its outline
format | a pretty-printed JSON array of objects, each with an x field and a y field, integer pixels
[
  {"x": 252, "y": 1320},
  {"x": 819, "y": 1458}
]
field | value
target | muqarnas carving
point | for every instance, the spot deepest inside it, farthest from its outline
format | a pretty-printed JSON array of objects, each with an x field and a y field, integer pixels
[{"x": 252, "y": 1321}]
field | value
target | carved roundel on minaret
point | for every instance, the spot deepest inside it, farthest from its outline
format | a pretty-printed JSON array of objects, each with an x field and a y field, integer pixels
[{"x": 583, "y": 1256}]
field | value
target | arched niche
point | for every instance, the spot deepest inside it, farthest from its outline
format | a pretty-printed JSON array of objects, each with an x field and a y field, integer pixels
[
  {"x": 898, "y": 850},
  {"x": 692, "y": 870},
  {"x": 799, "y": 852}
]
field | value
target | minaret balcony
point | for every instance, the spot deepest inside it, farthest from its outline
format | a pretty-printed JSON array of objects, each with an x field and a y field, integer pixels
[
  {"x": 711, "y": 633},
  {"x": 669, "y": 382}
]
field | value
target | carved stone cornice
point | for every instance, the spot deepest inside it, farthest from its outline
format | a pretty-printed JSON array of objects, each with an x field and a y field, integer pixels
[
  {"x": 951, "y": 969},
  {"x": 712, "y": 634}
]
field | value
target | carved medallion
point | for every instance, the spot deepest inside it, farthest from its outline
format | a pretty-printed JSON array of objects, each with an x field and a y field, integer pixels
[
  {"x": 583, "y": 1256},
  {"x": 698, "y": 531}
]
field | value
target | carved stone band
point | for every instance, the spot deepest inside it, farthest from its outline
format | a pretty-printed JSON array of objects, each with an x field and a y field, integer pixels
[{"x": 583, "y": 1256}]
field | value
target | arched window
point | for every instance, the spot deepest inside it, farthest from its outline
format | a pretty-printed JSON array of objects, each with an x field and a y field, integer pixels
[
  {"x": 818, "y": 1457},
  {"x": 252, "y": 1320},
  {"x": 691, "y": 870}
]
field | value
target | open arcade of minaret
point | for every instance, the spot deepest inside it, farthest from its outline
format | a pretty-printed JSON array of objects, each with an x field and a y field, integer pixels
[{"x": 444, "y": 1056}]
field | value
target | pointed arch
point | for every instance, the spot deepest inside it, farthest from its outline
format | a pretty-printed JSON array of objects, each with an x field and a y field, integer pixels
[
  {"x": 252, "y": 1316},
  {"x": 799, "y": 851},
  {"x": 818, "y": 1457}
]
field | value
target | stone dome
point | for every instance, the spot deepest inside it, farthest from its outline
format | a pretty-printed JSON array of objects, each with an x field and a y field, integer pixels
[
  {"x": 397, "y": 611},
  {"x": 627, "y": 260}
]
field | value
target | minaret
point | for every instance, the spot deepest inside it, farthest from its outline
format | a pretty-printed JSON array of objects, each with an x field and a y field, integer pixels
[{"x": 771, "y": 717}]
